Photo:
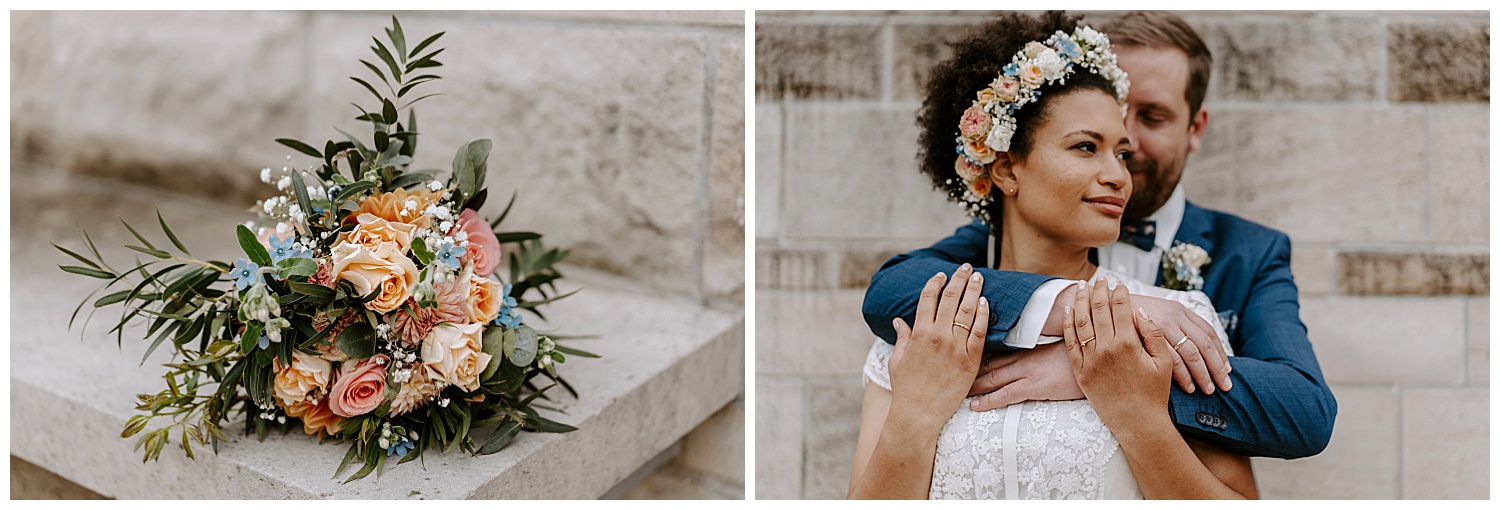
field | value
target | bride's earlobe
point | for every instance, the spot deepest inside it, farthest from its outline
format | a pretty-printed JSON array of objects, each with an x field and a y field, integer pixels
[{"x": 1002, "y": 175}]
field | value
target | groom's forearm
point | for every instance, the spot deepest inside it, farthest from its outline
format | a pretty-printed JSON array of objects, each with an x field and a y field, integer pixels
[
  {"x": 1273, "y": 411},
  {"x": 896, "y": 288}
]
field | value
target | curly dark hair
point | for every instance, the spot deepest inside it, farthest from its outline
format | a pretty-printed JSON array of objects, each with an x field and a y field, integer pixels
[{"x": 977, "y": 59}]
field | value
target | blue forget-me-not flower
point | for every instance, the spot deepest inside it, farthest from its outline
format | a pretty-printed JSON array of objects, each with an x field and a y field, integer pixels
[
  {"x": 449, "y": 254},
  {"x": 508, "y": 316},
  {"x": 284, "y": 248},
  {"x": 245, "y": 273}
]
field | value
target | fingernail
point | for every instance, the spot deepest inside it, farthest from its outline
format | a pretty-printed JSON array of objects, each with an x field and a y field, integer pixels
[
  {"x": 1101, "y": 281},
  {"x": 1143, "y": 313},
  {"x": 940, "y": 275},
  {"x": 1192, "y": 387},
  {"x": 975, "y": 277},
  {"x": 1228, "y": 384},
  {"x": 1067, "y": 310},
  {"x": 984, "y": 302},
  {"x": 966, "y": 266}
]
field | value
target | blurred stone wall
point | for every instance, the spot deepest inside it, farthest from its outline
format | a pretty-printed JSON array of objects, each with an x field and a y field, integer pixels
[
  {"x": 623, "y": 132},
  {"x": 1364, "y": 136}
]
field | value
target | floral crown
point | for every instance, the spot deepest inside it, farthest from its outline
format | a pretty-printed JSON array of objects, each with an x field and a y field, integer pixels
[{"x": 988, "y": 125}]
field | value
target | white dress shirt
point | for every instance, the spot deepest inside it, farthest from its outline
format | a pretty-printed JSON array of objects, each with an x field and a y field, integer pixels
[{"x": 1120, "y": 257}]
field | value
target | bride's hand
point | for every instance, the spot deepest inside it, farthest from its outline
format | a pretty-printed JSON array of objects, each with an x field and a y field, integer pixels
[
  {"x": 1122, "y": 360},
  {"x": 936, "y": 359}
]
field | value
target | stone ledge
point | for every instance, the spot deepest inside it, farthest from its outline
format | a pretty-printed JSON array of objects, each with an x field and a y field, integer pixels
[{"x": 668, "y": 364}]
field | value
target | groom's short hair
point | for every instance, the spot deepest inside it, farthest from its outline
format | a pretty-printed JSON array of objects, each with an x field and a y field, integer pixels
[{"x": 1161, "y": 29}]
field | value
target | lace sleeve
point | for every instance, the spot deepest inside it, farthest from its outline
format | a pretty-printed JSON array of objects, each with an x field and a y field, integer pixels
[{"x": 878, "y": 364}]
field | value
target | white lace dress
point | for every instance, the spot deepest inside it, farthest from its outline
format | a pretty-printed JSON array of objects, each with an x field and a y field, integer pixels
[{"x": 1038, "y": 449}]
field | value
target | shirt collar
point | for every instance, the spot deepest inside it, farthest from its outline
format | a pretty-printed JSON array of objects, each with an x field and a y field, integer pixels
[{"x": 1169, "y": 217}]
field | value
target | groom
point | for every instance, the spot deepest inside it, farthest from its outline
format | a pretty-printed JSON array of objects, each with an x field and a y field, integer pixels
[{"x": 1272, "y": 401}]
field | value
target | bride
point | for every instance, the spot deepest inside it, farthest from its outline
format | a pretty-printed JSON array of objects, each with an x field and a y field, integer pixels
[{"x": 1041, "y": 158}]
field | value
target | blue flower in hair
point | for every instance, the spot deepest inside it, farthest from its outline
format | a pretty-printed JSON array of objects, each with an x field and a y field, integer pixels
[{"x": 1012, "y": 70}]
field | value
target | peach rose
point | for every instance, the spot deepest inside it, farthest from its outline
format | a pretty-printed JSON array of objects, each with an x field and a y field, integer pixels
[
  {"x": 483, "y": 299},
  {"x": 1005, "y": 88},
  {"x": 453, "y": 298},
  {"x": 975, "y": 123},
  {"x": 484, "y": 248},
  {"x": 393, "y": 206},
  {"x": 416, "y": 391},
  {"x": 373, "y": 230},
  {"x": 978, "y": 151},
  {"x": 316, "y": 418},
  {"x": 986, "y": 95},
  {"x": 382, "y": 267},
  {"x": 360, "y": 388},
  {"x": 980, "y": 187},
  {"x": 452, "y": 354},
  {"x": 306, "y": 379},
  {"x": 967, "y": 171}
]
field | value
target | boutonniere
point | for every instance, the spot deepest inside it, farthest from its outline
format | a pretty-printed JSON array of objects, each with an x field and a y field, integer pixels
[{"x": 1182, "y": 266}]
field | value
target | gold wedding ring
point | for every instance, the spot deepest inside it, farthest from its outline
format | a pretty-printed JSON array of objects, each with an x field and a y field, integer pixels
[
  {"x": 966, "y": 328},
  {"x": 1180, "y": 342}
]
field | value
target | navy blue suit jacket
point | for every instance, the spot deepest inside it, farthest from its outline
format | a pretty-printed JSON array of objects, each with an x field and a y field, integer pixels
[{"x": 1280, "y": 405}]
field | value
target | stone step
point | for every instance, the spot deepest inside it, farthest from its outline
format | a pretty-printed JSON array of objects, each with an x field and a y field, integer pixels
[{"x": 668, "y": 364}]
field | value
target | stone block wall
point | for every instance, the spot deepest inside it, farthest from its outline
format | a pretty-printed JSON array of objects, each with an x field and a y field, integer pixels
[
  {"x": 1362, "y": 135},
  {"x": 622, "y": 132}
]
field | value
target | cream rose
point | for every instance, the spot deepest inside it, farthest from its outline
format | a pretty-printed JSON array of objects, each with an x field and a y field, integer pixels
[
  {"x": 360, "y": 388},
  {"x": 452, "y": 354},
  {"x": 383, "y": 268},
  {"x": 306, "y": 379},
  {"x": 1031, "y": 74},
  {"x": 1194, "y": 256},
  {"x": 373, "y": 230},
  {"x": 986, "y": 95},
  {"x": 1034, "y": 49},
  {"x": 393, "y": 206}
]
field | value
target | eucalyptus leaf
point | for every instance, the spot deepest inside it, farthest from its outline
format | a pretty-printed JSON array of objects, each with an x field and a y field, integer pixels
[
  {"x": 298, "y": 266},
  {"x": 357, "y": 341},
  {"x": 87, "y": 272},
  {"x": 398, "y": 38},
  {"x": 372, "y": 67},
  {"x": 523, "y": 352},
  {"x": 469, "y": 165},
  {"x": 494, "y": 340}
]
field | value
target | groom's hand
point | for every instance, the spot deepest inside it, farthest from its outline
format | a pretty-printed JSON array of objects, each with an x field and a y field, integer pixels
[
  {"x": 1042, "y": 373},
  {"x": 1200, "y": 362}
]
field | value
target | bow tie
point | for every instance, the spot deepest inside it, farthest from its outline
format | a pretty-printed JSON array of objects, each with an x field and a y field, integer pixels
[{"x": 1141, "y": 233}]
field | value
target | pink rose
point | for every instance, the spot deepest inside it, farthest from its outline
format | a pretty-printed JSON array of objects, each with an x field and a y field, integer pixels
[
  {"x": 974, "y": 123},
  {"x": 360, "y": 388},
  {"x": 484, "y": 248}
]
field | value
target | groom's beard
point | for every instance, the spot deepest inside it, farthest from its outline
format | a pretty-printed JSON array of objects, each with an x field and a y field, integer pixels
[{"x": 1151, "y": 190}]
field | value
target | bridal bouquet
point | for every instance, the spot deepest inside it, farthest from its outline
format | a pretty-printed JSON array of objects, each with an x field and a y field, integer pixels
[{"x": 367, "y": 305}]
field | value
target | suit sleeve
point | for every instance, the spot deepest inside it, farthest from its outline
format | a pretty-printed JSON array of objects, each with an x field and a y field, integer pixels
[
  {"x": 897, "y": 285},
  {"x": 1279, "y": 405}
]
